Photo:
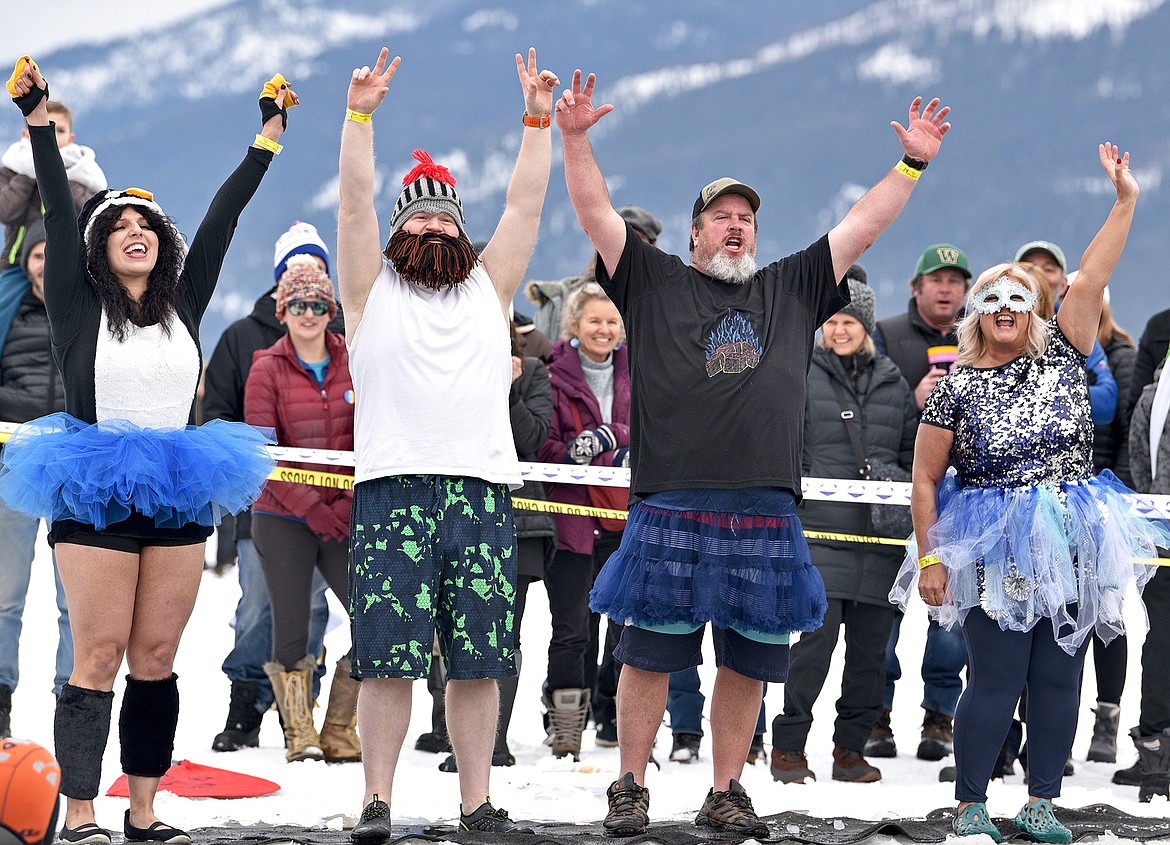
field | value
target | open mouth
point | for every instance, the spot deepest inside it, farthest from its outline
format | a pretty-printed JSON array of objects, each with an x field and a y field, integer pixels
[
  {"x": 734, "y": 242},
  {"x": 136, "y": 250},
  {"x": 1005, "y": 321}
]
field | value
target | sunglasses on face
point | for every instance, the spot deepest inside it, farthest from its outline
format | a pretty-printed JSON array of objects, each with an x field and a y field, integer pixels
[{"x": 297, "y": 307}]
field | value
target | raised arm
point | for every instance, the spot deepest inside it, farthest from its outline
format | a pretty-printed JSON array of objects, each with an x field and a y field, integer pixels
[
  {"x": 506, "y": 256},
  {"x": 602, "y": 224},
  {"x": 359, "y": 249},
  {"x": 881, "y": 205},
  {"x": 1080, "y": 312}
]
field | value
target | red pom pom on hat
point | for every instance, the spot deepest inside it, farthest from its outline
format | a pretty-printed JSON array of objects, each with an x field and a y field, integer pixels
[{"x": 428, "y": 168}]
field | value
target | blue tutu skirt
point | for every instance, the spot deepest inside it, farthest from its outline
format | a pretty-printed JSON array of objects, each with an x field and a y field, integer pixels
[
  {"x": 694, "y": 567},
  {"x": 58, "y": 467},
  {"x": 1070, "y": 553}
]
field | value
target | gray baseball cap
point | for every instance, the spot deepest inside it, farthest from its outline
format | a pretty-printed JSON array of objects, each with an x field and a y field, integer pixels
[{"x": 1044, "y": 246}]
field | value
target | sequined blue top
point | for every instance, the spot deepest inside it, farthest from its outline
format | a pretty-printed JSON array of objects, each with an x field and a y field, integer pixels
[{"x": 1020, "y": 424}]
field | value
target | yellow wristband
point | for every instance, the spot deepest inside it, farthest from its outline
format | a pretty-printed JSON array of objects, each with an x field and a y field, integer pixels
[
  {"x": 357, "y": 116},
  {"x": 928, "y": 560},
  {"x": 905, "y": 169},
  {"x": 267, "y": 144}
]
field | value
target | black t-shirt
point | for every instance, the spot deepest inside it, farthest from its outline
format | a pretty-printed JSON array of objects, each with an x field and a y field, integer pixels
[{"x": 717, "y": 370}]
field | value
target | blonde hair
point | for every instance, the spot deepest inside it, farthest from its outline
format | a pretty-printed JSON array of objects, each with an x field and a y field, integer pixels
[
  {"x": 575, "y": 307},
  {"x": 1107, "y": 329},
  {"x": 972, "y": 343}
]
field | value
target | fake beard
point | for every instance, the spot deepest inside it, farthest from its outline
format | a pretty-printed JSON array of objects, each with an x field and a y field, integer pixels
[{"x": 432, "y": 260}]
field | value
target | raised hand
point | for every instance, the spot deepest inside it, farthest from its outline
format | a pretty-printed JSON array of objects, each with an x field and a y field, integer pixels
[
  {"x": 537, "y": 87},
  {"x": 29, "y": 90},
  {"x": 276, "y": 98},
  {"x": 1116, "y": 165},
  {"x": 367, "y": 88},
  {"x": 575, "y": 111},
  {"x": 923, "y": 136}
]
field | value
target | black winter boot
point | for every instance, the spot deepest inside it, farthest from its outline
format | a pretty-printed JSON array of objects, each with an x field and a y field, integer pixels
[
  {"x": 501, "y": 755},
  {"x": 435, "y": 740},
  {"x": 242, "y": 729},
  {"x": 1154, "y": 759},
  {"x": 5, "y": 711}
]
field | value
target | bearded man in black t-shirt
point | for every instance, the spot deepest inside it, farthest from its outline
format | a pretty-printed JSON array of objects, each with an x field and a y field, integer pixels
[{"x": 719, "y": 355}]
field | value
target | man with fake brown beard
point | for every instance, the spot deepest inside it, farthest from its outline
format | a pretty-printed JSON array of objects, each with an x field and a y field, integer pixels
[
  {"x": 719, "y": 358},
  {"x": 432, "y": 537}
]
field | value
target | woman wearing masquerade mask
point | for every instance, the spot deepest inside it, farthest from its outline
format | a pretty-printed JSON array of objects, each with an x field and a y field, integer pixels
[
  {"x": 1023, "y": 547},
  {"x": 132, "y": 487}
]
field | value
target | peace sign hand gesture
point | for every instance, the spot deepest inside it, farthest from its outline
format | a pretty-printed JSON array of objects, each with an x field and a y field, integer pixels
[
  {"x": 367, "y": 88},
  {"x": 536, "y": 87}
]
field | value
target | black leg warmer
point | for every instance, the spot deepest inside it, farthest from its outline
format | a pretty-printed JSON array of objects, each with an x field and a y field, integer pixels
[
  {"x": 81, "y": 726},
  {"x": 146, "y": 727}
]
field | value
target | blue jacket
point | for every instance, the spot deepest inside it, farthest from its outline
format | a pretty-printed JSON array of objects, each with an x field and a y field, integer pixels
[{"x": 14, "y": 287}]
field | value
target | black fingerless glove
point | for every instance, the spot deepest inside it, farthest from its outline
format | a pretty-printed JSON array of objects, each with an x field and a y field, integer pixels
[
  {"x": 26, "y": 102},
  {"x": 268, "y": 107}
]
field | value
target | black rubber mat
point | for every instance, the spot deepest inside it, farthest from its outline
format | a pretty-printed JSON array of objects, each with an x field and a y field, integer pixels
[{"x": 1094, "y": 820}]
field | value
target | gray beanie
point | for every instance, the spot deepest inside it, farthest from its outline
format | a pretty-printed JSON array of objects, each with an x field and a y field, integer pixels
[
  {"x": 862, "y": 304},
  {"x": 642, "y": 220},
  {"x": 430, "y": 187},
  {"x": 33, "y": 235}
]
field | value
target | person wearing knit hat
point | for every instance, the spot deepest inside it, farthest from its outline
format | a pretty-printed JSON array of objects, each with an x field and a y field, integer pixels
[
  {"x": 303, "y": 280},
  {"x": 720, "y": 344},
  {"x": 859, "y": 422},
  {"x": 433, "y": 436},
  {"x": 131, "y": 485},
  {"x": 300, "y": 239}
]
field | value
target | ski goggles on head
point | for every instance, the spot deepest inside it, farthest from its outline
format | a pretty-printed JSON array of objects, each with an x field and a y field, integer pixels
[{"x": 1004, "y": 292}]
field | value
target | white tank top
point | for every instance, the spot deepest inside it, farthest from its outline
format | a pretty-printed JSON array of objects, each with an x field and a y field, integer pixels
[
  {"x": 149, "y": 378},
  {"x": 431, "y": 373}
]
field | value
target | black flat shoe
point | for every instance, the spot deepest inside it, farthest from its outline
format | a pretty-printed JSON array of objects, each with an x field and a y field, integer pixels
[
  {"x": 85, "y": 834},
  {"x": 157, "y": 832}
]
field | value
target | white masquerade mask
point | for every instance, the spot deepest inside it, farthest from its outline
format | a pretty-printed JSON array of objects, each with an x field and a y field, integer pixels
[{"x": 1004, "y": 292}]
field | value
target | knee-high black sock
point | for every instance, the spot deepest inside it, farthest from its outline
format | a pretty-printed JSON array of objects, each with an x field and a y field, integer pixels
[
  {"x": 81, "y": 726},
  {"x": 146, "y": 726}
]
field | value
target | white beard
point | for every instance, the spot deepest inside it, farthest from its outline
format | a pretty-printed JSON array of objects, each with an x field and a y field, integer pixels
[{"x": 734, "y": 271}]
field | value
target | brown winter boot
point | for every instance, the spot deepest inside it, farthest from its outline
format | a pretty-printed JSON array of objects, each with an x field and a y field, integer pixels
[
  {"x": 850, "y": 766},
  {"x": 339, "y": 738},
  {"x": 293, "y": 691}
]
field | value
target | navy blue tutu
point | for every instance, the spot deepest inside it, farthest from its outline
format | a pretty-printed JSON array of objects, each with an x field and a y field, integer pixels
[
  {"x": 58, "y": 467},
  {"x": 1069, "y": 553},
  {"x": 692, "y": 567}
]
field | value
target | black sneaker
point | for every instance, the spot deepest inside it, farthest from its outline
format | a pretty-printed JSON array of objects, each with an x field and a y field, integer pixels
[
  {"x": 629, "y": 807},
  {"x": 731, "y": 811},
  {"x": 374, "y": 825},
  {"x": 157, "y": 832},
  {"x": 489, "y": 819},
  {"x": 685, "y": 748},
  {"x": 85, "y": 834}
]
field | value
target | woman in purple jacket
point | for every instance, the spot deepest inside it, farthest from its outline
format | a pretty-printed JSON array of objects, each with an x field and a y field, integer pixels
[{"x": 590, "y": 376}]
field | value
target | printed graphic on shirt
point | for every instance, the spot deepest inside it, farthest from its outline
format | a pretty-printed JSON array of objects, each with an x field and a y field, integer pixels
[{"x": 733, "y": 346}]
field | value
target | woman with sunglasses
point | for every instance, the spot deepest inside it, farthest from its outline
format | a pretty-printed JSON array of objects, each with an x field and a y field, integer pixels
[
  {"x": 131, "y": 485},
  {"x": 300, "y": 387}
]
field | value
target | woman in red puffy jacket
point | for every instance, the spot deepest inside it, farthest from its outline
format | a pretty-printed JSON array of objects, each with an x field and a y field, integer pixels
[{"x": 300, "y": 387}]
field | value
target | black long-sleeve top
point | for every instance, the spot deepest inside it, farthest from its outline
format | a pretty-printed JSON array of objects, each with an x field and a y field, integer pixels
[{"x": 75, "y": 311}]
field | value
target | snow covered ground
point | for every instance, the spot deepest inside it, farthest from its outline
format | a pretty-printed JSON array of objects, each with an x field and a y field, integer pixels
[{"x": 538, "y": 787}]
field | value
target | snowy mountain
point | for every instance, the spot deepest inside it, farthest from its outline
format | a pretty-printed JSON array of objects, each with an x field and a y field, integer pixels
[{"x": 793, "y": 98}]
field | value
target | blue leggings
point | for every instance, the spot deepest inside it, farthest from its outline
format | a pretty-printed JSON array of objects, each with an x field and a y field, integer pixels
[{"x": 1000, "y": 664}]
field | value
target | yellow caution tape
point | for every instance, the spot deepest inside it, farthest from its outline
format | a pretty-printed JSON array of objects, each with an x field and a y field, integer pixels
[
  {"x": 562, "y": 508},
  {"x": 294, "y": 475}
]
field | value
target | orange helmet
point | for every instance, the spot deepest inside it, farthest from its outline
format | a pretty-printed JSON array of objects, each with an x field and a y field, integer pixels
[{"x": 30, "y": 780}]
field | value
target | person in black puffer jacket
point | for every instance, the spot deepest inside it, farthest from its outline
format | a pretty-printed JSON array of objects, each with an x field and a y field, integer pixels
[
  {"x": 29, "y": 388},
  {"x": 857, "y": 576}
]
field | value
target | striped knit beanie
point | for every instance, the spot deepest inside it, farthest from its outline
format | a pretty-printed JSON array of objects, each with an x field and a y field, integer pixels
[{"x": 429, "y": 187}]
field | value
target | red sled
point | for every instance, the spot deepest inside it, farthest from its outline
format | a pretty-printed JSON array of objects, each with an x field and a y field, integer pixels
[{"x": 192, "y": 780}]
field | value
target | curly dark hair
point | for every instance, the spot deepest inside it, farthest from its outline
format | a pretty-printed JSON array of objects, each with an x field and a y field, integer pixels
[{"x": 158, "y": 303}]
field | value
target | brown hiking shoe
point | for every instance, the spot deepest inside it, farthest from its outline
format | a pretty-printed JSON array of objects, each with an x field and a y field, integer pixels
[
  {"x": 850, "y": 766},
  {"x": 790, "y": 766},
  {"x": 732, "y": 811},
  {"x": 938, "y": 736},
  {"x": 629, "y": 807}
]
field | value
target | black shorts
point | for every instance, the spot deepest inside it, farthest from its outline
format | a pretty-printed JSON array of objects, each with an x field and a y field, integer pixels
[
  {"x": 657, "y": 651},
  {"x": 131, "y": 535}
]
